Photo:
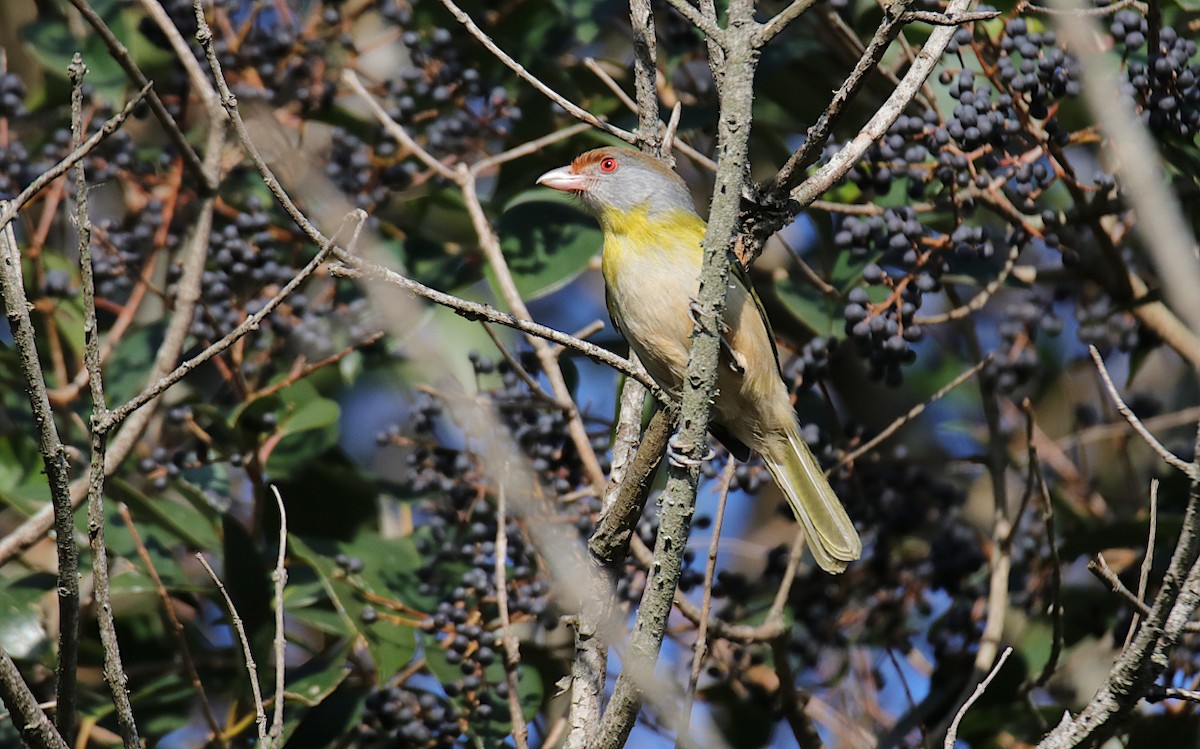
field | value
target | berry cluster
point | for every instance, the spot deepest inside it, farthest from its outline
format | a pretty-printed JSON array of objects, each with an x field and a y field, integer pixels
[
  {"x": 400, "y": 716},
  {"x": 1163, "y": 81},
  {"x": 12, "y": 95},
  {"x": 122, "y": 249}
]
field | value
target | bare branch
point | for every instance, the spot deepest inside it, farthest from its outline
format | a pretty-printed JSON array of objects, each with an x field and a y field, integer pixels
[
  {"x": 700, "y": 648},
  {"x": 251, "y": 669},
  {"x": 699, "y": 382},
  {"x": 54, "y": 458},
  {"x": 912, "y": 413},
  {"x": 645, "y": 78},
  {"x": 572, "y": 108},
  {"x": 814, "y": 139},
  {"x": 1188, "y": 469},
  {"x": 27, "y": 716},
  {"x": 672, "y": 125},
  {"x": 921, "y": 68},
  {"x": 279, "y": 576},
  {"x": 1148, "y": 559},
  {"x": 952, "y": 734},
  {"x": 512, "y": 651},
  {"x": 10, "y": 208},
  {"x": 176, "y": 627},
  {"x": 947, "y": 19},
  {"x": 119, "y": 53},
  {"x": 703, "y": 21},
  {"x": 782, "y": 20},
  {"x": 114, "y": 670}
]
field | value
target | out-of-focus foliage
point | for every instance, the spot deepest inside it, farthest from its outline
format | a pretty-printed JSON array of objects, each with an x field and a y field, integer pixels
[{"x": 996, "y": 171}]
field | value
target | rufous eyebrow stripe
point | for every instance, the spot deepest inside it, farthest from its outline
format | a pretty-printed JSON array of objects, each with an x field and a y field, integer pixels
[{"x": 586, "y": 159}]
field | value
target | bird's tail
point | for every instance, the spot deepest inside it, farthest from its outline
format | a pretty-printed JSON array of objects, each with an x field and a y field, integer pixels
[{"x": 831, "y": 534}]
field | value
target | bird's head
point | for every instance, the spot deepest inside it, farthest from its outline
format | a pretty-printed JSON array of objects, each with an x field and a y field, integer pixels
[{"x": 620, "y": 181}]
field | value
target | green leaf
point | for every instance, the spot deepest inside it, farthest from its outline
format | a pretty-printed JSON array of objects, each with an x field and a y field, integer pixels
[
  {"x": 51, "y": 43},
  {"x": 391, "y": 645},
  {"x": 22, "y": 634},
  {"x": 819, "y": 313},
  {"x": 308, "y": 426},
  {"x": 182, "y": 520},
  {"x": 314, "y": 681},
  {"x": 547, "y": 242}
]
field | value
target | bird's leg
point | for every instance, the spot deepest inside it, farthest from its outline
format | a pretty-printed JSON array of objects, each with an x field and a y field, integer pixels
[{"x": 676, "y": 457}]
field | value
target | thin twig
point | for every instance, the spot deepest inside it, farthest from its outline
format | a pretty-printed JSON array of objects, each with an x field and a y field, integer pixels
[
  {"x": 668, "y": 141},
  {"x": 183, "y": 53},
  {"x": 535, "y": 387},
  {"x": 54, "y": 459},
  {"x": 1188, "y": 469},
  {"x": 119, "y": 53},
  {"x": 1104, "y": 10},
  {"x": 176, "y": 626},
  {"x": 591, "y": 64},
  {"x": 700, "y": 648},
  {"x": 359, "y": 268},
  {"x": 702, "y": 21},
  {"x": 980, "y": 300},
  {"x": 782, "y": 20},
  {"x": 114, "y": 670},
  {"x": 952, "y": 734},
  {"x": 251, "y": 323},
  {"x": 1173, "y": 693},
  {"x": 921, "y": 68},
  {"x": 947, "y": 19},
  {"x": 279, "y": 576},
  {"x": 613, "y": 86},
  {"x": 1147, "y": 560},
  {"x": 27, "y": 716},
  {"x": 530, "y": 147},
  {"x": 1098, "y": 566},
  {"x": 1056, "y": 612},
  {"x": 806, "y": 270},
  {"x": 571, "y": 107},
  {"x": 11, "y": 208},
  {"x": 393, "y": 128},
  {"x": 512, "y": 649},
  {"x": 912, "y": 413},
  {"x": 814, "y": 139},
  {"x": 251, "y": 669}
]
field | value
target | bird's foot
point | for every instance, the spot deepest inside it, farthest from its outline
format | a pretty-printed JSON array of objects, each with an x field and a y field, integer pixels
[
  {"x": 676, "y": 457},
  {"x": 696, "y": 312},
  {"x": 736, "y": 361}
]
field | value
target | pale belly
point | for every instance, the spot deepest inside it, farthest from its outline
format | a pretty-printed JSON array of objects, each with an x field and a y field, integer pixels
[{"x": 649, "y": 302}]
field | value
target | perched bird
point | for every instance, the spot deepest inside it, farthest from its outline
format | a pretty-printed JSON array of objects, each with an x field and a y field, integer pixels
[{"x": 651, "y": 265}]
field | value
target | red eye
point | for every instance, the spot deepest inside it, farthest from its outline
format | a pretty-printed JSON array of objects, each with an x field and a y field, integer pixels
[{"x": 608, "y": 164}]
